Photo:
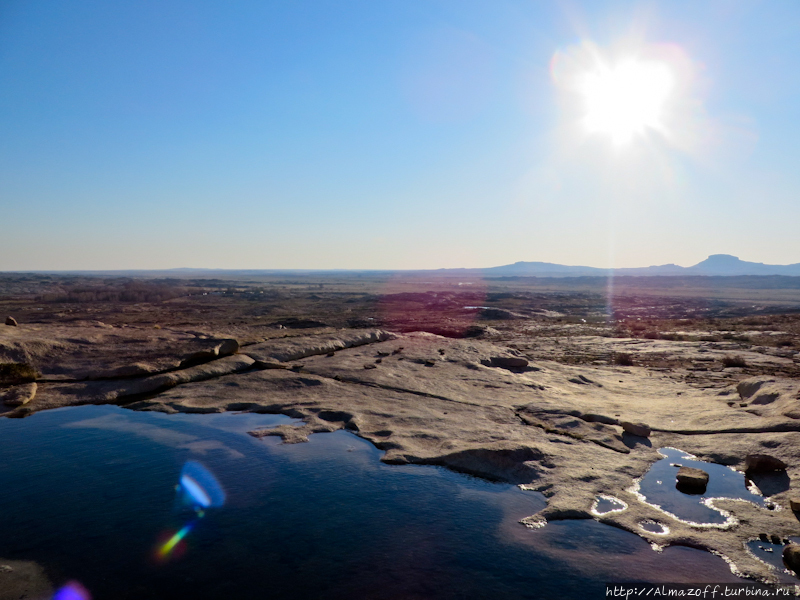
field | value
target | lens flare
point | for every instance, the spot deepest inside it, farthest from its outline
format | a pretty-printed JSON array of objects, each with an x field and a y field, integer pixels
[
  {"x": 72, "y": 591},
  {"x": 169, "y": 546},
  {"x": 195, "y": 491},
  {"x": 199, "y": 489},
  {"x": 200, "y": 486}
]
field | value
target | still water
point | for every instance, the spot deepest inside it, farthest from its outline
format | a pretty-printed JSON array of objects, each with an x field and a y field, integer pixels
[
  {"x": 658, "y": 488},
  {"x": 90, "y": 493}
]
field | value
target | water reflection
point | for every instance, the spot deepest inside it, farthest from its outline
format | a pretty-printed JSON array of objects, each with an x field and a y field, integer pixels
[
  {"x": 320, "y": 519},
  {"x": 658, "y": 487}
]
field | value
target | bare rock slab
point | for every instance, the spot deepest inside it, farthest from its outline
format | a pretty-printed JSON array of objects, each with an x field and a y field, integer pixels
[
  {"x": 23, "y": 579},
  {"x": 19, "y": 394}
]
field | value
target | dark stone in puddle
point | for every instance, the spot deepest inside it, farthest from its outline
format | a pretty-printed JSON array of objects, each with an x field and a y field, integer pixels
[
  {"x": 791, "y": 557},
  {"x": 691, "y": 480}
]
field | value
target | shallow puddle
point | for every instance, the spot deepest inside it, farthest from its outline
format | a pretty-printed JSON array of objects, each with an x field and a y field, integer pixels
[
  {"x": 654, "y": 527},
  {"x": 608, "y": 504},
  {"x": 658, "y": 488},
  {"x": 772, "y": 554},
  {"x": 90, "y": 493}
]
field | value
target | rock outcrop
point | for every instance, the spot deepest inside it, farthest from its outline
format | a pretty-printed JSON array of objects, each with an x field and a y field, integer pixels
[
  {"x": 19, "y": 394},
  {"x": 289, "y": 349},
  {"x": 639, "y": 429},
  {"x": 762, "y": 463}
]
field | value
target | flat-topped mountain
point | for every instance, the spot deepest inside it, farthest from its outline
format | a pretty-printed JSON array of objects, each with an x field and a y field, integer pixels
[{"x": 716, "y": 264}]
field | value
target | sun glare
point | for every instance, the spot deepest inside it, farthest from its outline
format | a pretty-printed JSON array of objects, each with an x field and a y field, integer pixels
[{"x": 626, "y": 99}]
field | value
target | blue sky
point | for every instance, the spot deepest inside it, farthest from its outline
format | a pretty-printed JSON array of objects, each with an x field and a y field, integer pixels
[{"x": 386, "y": 135}]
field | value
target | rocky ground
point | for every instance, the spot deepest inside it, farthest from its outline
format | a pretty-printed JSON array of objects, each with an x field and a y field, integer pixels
[{"x": 549, "y": 389}]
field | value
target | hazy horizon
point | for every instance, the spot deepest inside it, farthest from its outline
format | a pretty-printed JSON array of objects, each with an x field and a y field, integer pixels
[
  {"x": 397, "y": 136},
  {"x": 332, "y": 270}
]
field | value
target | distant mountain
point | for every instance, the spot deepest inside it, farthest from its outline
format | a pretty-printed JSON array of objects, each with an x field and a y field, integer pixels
[{"x": 716, "y": 264}]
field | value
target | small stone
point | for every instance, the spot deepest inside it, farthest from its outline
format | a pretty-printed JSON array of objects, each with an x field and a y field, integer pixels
[
  {"x": 370, "y": 366},
  {"x": 691, "y": 480},
  {"x": 19, "y": 394},
  {"x": 228, "y": 347},
  {"x": 763, "y": 537},
  {"x": 508, "y": 362},
  {"x": 791, "y": 557},
  {"x": 11, "y": 321},
  {"x": 639, "y": 429},
  {"x": 775, "y": 539},
  {"x": 762, "y": 463},
  {"x": 6, "y": 568},
  {"x": 794, "y": 504}
]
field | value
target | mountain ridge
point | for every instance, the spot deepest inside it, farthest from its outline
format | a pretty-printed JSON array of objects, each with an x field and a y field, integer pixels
[{"x": 714, "y": 265}]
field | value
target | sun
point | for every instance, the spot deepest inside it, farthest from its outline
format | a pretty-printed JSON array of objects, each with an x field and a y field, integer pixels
[{"x": 626, "y": 99}]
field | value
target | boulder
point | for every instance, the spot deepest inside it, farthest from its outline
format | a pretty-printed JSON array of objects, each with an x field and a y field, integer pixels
[
  {"x": 19, "y": 394},
  {"x": 198, "y": 358},
  {"x": 228, "y": 347},
  {"x": 639, "y": 429},
  {"x": 791, "y": 557},
  {"x": 762, "y": 463},
  {"x": 691, "y": 480},
  {"x": 11, "y": 321},
  {"x": 748, "y": 387},
  {"x": 794, "y": 504},
  {"x": 508, "y": 362},
  {"x": 758, "y": 390}
]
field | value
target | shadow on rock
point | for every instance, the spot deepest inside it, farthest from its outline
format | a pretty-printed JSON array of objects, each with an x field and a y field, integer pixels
[
  {"x": 631, "y": 441},
  {"x": 771, "y": 483}
]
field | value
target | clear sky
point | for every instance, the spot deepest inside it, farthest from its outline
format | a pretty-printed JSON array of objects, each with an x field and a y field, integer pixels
[{"x": 397, "y": 134}]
